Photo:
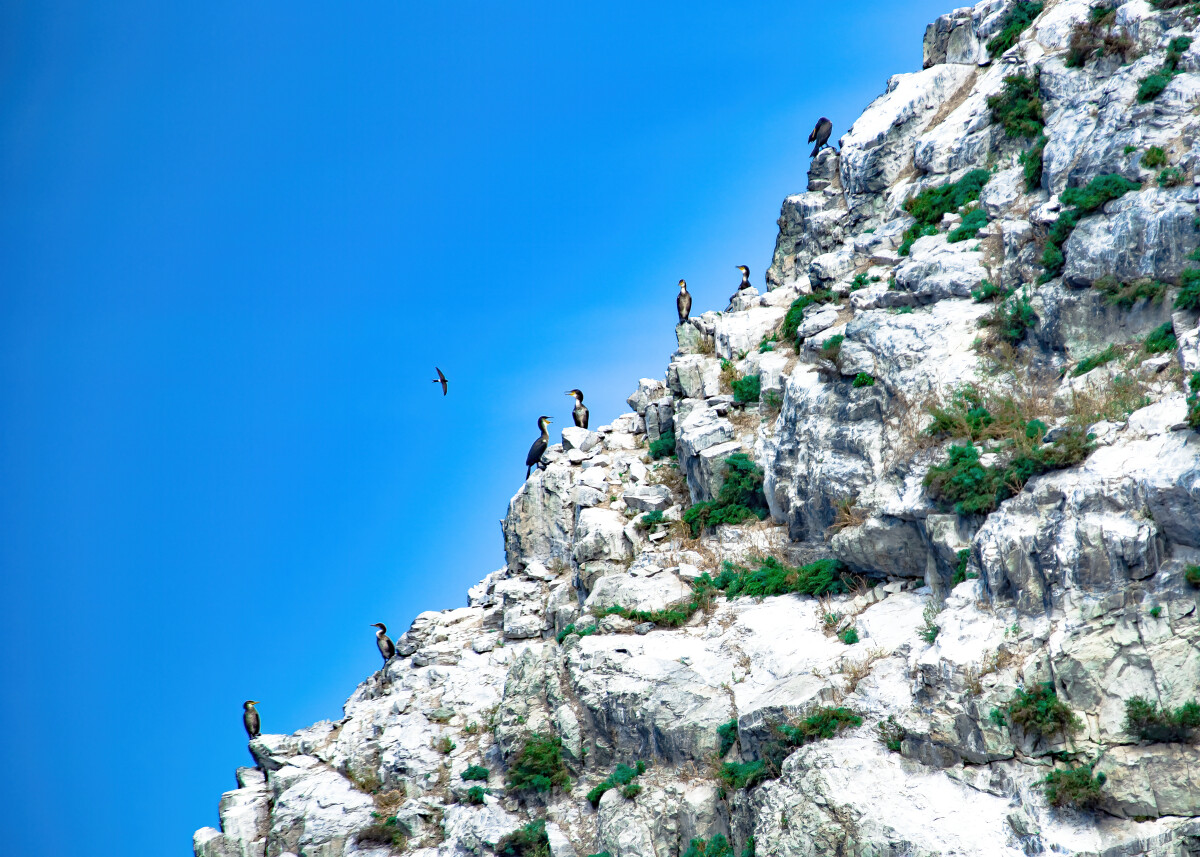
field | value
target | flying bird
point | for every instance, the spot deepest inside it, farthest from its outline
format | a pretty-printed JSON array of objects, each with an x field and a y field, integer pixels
[
  {"x": 579, "y": 412},
  {"x": 441, "y": 379},
  {"x": 386, "y": 647},
  {"x": 539, "y": 446},
  {"x": 683, "y": 302},
  {"x": 250, "y": 718},
  {"x": 820, "y": 135}
]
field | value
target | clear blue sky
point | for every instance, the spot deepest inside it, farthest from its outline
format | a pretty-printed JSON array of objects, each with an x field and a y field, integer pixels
[{"x": 235, "y": 238}]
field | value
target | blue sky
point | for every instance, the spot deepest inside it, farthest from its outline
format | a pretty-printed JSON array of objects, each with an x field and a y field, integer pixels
[{"x": 236, "y": 237}]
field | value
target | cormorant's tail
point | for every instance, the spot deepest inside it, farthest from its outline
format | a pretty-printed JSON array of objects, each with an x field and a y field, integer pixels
[{"x": 816, "y": 149}]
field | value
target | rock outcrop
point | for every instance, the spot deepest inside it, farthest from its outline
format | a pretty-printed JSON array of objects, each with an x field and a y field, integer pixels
[{"x": 881, "y": 562}]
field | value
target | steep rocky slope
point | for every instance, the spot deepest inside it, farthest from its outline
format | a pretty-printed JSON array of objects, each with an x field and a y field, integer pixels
[{"x": 975, "y": 443}]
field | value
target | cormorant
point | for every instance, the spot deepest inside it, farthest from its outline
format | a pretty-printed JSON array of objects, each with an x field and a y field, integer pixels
[
  {"x": 683, "y": 303},
  {"x": 539, "y": 446},
  {"x": 580, "y": 412},
  {"x": 820, "y": 135},
  {"x": 250, "y": 718},
  {"x": 441, "y": 379},
  {"x": 745, "y": 284},
  {"x": 386, "y": 647}
]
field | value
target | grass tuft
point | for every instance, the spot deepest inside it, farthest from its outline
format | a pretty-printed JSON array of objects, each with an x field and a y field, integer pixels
[
  {"x": 740, "y": 498},
  {"x": 1075, "y": 787},
  {"x": 539, "y": 766},
  {"x": 1148, "y": 722},
  {"x": 1040, "y": 711},
  {"x": 528, "y": 841},
  {"x": 1015, "y": 22}
]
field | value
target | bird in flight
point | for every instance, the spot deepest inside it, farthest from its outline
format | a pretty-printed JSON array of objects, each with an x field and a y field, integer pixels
[{"x": 441, "y": 379}]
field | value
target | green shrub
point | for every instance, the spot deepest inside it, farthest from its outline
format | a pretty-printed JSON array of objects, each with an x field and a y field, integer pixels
[
  {"x": 1148, "y": 722},
  {"x": 1074, "y": 787},
  {"x": 1018, "y": 107},
  {"x": 823, "y": 577},
  {"x": 1017, "y": 20},
  {"x": 910, "y": 237},
  {"x": 1153, "y": 84},
  {"x": 972, "y": 489},
  {"x": 1161, "y": 339},
  {"x": 849, "y": 636},
  {"x": 960, "y": 568},
  {"x": 528, "y": 841},
  {"x": 832, "y": 347},
  {"x": 1012, "y": 318},
  {"x": 475, "y": 794},
  {"x": 821, "y": 723},
  {"x": 860, "y": 281},
  {"x": 773, "y": 400},
  {"x": 768, "y": 343},
  {"x": 891, "y": 733},
  {"x": 445, "y": 745},
  {"x": 862, "y": 379},
  {"x": 989, "y": 291},
  {"x": 1193, "y": 418},
  {"x": 718, "y": 846},
  {"x": 1031, "y": 163},
  {"x": 1192, "y": 574},
  {"x": 1176, "y": 48},
  {"x": 652, "y": 519},
  {"x": 749, "y": 849},
  {"x": 1039, "y": 711},
  {"x": 1170, "y": 177},
  {"x": 571, "y": 629},
  {"x": 973, "y": 221},
  {"x": 601, "y": 854},
  {"x": 795, "y": 313},
  {"x": 1125, "y": 295},
  {"x": 1154, "y": 157},
  {"x": 539, "y": 765},
  {"x": 747, "y": 389},
  {"x": 740, "y": 498},
  {"x": 929, "y": 629},
  {"x": 1098, "y": 192},
  {"x": 742, "y": 775},
  {"x": 930, "y": 205},
  {"x": 623, "y": 775},
  {"x": 727, "y": 734},
  {"x": 664, "y": 446},
  {"x": 389, "y": 833},
  {"x": 1189, "y": 290},
  {"x": 1085, "y": 200},
  {"x": 476, "y": 772},
  {"x": 1089, "y": 363}
]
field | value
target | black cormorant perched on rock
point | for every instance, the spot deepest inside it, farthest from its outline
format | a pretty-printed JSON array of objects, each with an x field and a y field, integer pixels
[
  {"x": 820, "y": 135},
  {"x": 745, "y": 283},
  {"x": 580, "y": 412},
  {"x": 539, "y": 446},
  {"x": 683, "y": 303},
  {"x": 441, "y": 379},
  {"x": 250, "y": 718},
  {"x": 386, "y": 647}
]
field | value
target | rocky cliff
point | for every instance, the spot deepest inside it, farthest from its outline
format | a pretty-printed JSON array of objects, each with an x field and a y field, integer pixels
[{"x": 902, "y": 556}]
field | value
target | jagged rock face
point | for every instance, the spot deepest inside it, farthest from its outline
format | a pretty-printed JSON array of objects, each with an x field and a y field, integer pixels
[{"x": 593, "y": 636}]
